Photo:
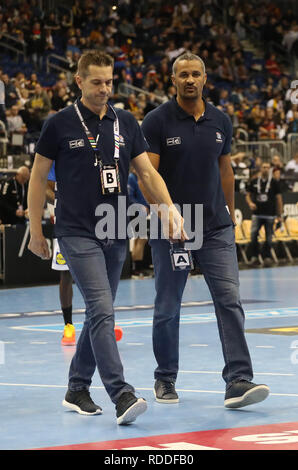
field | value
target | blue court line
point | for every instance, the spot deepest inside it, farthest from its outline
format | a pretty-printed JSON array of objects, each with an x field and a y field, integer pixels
[{"x": 184, "y": 319}]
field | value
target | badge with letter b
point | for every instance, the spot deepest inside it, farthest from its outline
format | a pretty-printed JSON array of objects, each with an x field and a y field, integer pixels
[
  {"x": 181, "y": 258},
  {"x": 110, "y": 182}
]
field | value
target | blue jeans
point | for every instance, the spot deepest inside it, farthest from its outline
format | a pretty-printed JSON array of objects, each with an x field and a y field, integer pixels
[
  {"x": 217, "y": 261},
  {"x": 256, "y": 224},
  {"x": 96, "y": 268}
]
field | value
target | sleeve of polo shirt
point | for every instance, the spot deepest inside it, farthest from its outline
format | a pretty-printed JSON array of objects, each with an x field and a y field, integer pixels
[
  {"x": 139, "y": 142},
  {"x": 47, "y": 144},
  {"x": 228, "y": 136},
  {"x": 151, "y": 128}
]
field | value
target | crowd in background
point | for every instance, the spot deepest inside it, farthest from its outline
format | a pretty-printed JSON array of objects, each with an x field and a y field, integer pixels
[
  {"x": 144, "y": 37},
  {"x": 253, "y": 86}
]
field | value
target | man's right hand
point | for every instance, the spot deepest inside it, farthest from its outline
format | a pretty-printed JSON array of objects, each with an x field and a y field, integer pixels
[
  {"x": 39, "y": 246},
  {"x": 252, "y": 206},
  {"x": 173, "y": 225},
  {"x": 20, "y": 213}
]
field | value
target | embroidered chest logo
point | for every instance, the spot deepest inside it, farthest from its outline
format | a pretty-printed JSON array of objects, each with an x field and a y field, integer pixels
[
  {"x": 74, "y": 144},
  {"x": 219, "y": 137},
  {"x": 121, "y": 141},
  {"x": 173, "y": 141}
]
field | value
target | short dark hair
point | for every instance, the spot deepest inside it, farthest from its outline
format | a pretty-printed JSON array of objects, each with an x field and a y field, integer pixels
[
  {"x": 187, "y": 56},
  {"x": 101, "y": 59}
]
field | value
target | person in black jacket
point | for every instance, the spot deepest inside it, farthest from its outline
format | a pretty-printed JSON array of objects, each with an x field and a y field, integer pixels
[{"x": 13, "y": 198}]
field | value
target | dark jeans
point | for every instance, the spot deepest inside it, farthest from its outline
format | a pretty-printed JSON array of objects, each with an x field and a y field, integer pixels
[
  {"x": 217, "y": 261},
  {"x": 256, "y": 224},
  {"x": 96, "y": 268}
]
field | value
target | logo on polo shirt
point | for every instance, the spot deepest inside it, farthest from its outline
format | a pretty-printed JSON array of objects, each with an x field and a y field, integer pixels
[
  {"x": 121, "y": 141},
  {"x": 74, "y": 144},
  {"x": 218, "y": 137},
  {"x": 174, "y": 141}
]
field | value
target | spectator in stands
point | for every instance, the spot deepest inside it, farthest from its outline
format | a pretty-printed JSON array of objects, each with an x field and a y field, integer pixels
[
  {"x": 39, "y": 104},
  {"x": 15, "y": 121},
  {"x": 60, "y": 99},
  {"x": 290, "y": 37},
  {"x": 292, "y": 165},
  {"x": 72, "y": 45},
  {"x": 49, "y": 41},
  {"x": 37, "y": 45},
  {"x": 293, "y": 125},
  {"x": 272, "y": 67},
  {"x": 268, "y": 128},
  {"x": 2, "y": 101},
  {"x": 225, "y": 71},
  {"x": 31, "y": 83},
  {"x": 265, "y": 201},
  {"x": 13, "y": 195},
  {"x": 11, "y": 95},
  {"x": 254, "y": 121},
  {"x": 278, "y": 173}
]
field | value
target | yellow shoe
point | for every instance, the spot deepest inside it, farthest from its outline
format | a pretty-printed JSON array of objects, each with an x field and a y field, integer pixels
[{"x": 69, "y": 336}]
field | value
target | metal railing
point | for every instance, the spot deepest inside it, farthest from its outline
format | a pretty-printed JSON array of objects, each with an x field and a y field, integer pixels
[
  {"x": 263, "y": 148},
  {"x": 53, "y": 65},
  {"x": 12, "y": 45},
  {"x": 125, "y": 89},
  {"x": 292, "y": 143}
]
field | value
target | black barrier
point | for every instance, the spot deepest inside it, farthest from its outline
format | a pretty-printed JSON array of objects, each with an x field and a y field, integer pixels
[{"x": 21, "y": 267}]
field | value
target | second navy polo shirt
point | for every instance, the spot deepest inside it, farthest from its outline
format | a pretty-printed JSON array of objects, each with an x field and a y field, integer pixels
[{"x": 189, "y": 151}]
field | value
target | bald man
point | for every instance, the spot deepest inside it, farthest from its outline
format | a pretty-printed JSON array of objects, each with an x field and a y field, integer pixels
[{"x": 13, "y": 197}]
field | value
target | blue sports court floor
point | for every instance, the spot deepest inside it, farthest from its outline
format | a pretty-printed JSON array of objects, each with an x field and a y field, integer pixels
[{"x": 34, "y": 368}]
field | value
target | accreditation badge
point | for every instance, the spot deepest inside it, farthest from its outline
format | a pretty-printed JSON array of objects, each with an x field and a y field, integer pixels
[
  {"x": 262, "y": 197},
  {"x": 110, "y": 180},
  {"x": 181, "y": 259}
]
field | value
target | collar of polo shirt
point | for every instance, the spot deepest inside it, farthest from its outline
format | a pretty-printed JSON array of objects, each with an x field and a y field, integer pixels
[
  {"x": 181, "y": 114},
  {"x": 88, "y": 114}
]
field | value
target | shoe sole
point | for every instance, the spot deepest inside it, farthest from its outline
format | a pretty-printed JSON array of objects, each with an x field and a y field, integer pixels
[
  {"x": 252, "y": 396},
  {"x": 165, "y": 401},
  {"x": 133, "y": 412},
  {"x": 68, "y": 343},
  {"x": 73, "y": 407}
]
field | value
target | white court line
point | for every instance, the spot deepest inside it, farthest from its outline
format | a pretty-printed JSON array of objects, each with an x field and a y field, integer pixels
[
  {"x": 218, "y": 372},
  {"x": 5, "y": 384}
]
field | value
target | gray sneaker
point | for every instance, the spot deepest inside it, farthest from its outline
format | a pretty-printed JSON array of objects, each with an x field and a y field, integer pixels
[
  {"x": 81, "y": 402},
  {"x": 245, "y": 393},
  {"x": 165, "y": 392},
  {"x": 129, "y": 407}
]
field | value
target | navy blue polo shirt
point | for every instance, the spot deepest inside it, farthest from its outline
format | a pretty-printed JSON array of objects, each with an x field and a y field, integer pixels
[
  {"x": 189, "y": 151},
  {"x": 64, "y": 140}
]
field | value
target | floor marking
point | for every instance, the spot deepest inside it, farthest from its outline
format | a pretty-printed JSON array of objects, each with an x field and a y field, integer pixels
[
  {"x": 219, "y": 373},
  {"x": 122, "y": 308},
  {"x": 191, "y": 318},
  {"x": 38, "y": 342},
  {"x": 143, "y": 389},
  {"x": 276, "y": 436}
]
